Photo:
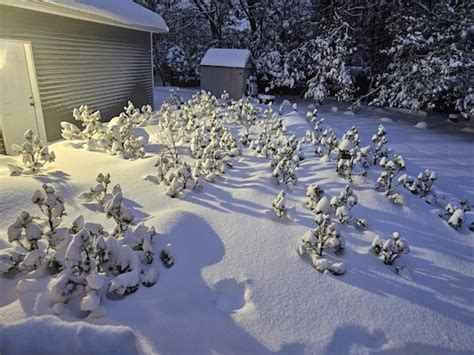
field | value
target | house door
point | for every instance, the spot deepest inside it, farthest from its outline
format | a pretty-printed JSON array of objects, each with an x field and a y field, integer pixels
[{"x": 17, "y": 106}]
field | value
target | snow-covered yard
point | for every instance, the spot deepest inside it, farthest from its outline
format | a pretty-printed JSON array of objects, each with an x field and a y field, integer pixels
[{"x": 238, "y": 284}]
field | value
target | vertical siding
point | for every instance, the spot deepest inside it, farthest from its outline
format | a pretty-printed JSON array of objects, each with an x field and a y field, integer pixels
[{"x": 79, "y": 62}]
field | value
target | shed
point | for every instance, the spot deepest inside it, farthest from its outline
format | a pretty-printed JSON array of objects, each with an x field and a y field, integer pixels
[
  {"x": 226, "y": 69},
  {"x": 59, "y": 54}
]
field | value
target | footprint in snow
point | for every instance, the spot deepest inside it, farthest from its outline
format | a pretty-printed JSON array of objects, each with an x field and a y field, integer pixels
[{"x": 231, "y": 296}]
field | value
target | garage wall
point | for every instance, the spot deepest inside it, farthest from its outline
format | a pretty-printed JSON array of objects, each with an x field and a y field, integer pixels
[{"x": 79, "y": 62}]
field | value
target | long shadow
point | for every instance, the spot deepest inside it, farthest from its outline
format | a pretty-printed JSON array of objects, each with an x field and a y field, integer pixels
[
  {"x": 179, "y": 314},
  {"x": 344, "y": 339},
  {"x": 380, "y": 279}
]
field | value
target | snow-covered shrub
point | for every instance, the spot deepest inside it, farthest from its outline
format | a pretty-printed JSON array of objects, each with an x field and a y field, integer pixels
[
  {"x": 454, "y": 215},
  {"x": 99, "y": 193},
  {"x": 313, "y": 194},
  {"x": 351, "y": 156},
  {"x": 326, "y": 144},
  {"x": 385, "y": 181},
  {"x": 315, "y": 241},
  {"x": 391, "y": 249},
  {"x": 174, "y": 100},
  {"x": 279, "y": 204},
  {"x": 379, "y": 139},
  {"x": 284, "y": 172},
  {"x": 91, "y": 263},
  {"x": 34, "y": 155},
  {"x": 245, "y": 114},
  {"x": 421, "y": 185},
  {"x": 136, "y": 116},
  {"x": 115, "y": 137}
]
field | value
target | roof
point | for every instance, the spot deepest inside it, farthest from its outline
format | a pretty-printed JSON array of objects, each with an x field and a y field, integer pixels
[
  {"x": 226, "y": 57},
  {"x": 118, "y": 13}
]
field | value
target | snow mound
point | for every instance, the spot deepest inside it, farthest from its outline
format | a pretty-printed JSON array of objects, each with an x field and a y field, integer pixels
[
  {"x": 421, "y": 125},
  {"x": 51, "y": 335},
  {"x": 386, "y": 120}
]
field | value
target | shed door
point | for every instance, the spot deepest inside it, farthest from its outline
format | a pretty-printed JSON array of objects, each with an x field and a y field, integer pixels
[{"x": 17, "y": 111}]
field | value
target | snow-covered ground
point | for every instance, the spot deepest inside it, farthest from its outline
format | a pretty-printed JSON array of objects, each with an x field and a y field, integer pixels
[{"x": 238, "y": 285}]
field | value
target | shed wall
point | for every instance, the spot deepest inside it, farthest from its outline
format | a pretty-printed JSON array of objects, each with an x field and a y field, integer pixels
[
  {"x": 79, "y": 62},
  {"x": 218, "y": 79}
]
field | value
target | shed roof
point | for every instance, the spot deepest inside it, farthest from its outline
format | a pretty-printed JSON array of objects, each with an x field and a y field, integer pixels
[
  {"x": 226, "y": 57},
  {"x": 119, "y": 13}
]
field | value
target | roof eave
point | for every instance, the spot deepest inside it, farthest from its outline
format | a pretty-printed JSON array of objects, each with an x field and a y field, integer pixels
[{"x": 84, "y": 16}]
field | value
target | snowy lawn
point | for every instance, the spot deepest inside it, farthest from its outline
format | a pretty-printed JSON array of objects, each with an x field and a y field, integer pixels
[{"x": 239, "y": 285}]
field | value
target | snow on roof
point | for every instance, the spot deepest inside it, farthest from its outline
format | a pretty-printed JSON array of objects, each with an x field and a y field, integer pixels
[
  {"x": 226, "y": 57},
  {"x": 119, "y": 13}
]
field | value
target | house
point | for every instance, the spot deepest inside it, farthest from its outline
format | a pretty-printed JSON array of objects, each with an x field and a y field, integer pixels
[
  {"x": 227, "y": 69},
  {"x": 59, "y": 54}
]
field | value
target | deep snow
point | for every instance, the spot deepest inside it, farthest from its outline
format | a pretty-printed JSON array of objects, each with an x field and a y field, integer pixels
[{"x": 238, "y": 285}]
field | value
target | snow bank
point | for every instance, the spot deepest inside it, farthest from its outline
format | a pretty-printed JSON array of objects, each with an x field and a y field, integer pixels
[{"x": 51, "y": 335}]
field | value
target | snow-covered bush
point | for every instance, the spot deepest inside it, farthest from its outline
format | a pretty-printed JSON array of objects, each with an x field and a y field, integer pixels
[
  {"x": 245, "y": 114},
  {"x": 385, "y": 181},
  {"x": 115, "y": 137},
  {"x": 327, "y": 143},
  {"x": 391, "y": 249},
  {"x": 325, "y": 236},
  {"x": 99, "y": 193},
  {"x": 454, "y": 215},
  {"x": 279, "y": 204},
  {"x": 90, "y": 262},
  {"x": 34, "y": 155},
  {"x": 379, "y": 139},
  {"x": 313, "y": 194},
  {"x": 421, "y": 185}
]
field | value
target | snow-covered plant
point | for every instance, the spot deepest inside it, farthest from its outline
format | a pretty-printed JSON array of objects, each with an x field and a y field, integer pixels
[
  {"x": 421, "y": 185},
  {"x": 454, "y": 215},
  {"x": 120, "y": 140},
  {"x": 326, "y": 144},
  {"x": 313, "y": 194},
  {"x": 92, "y": 128},
  {"x": 379, "y": 139},
  {"x": 174, "y": 100},
  {"x": 284, "y": 172},
  {"x": 385, "y": 181},
  {"x": 343, "y": 203},
  {"x": 34, "y": 155},
  {"x": 91, "y": 263},
  {"x": 136, "y": 116},
  {"x": 315, "y": 241},
  {"x": 465, "y": 205},
  {"x": 391, "y": 249},
  {"x": 115, "y": 137},
  {"x": 166, "y": 257},
  {"x": 99, "y": 193},
  {"x": 244, "y": 113},
  {"x": 279, "y": 204},
  {"x": 122, "y": 215}
]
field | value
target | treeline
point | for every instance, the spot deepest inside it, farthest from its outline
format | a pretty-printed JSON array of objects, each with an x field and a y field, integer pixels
[{"x": 402, "y": 53}]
